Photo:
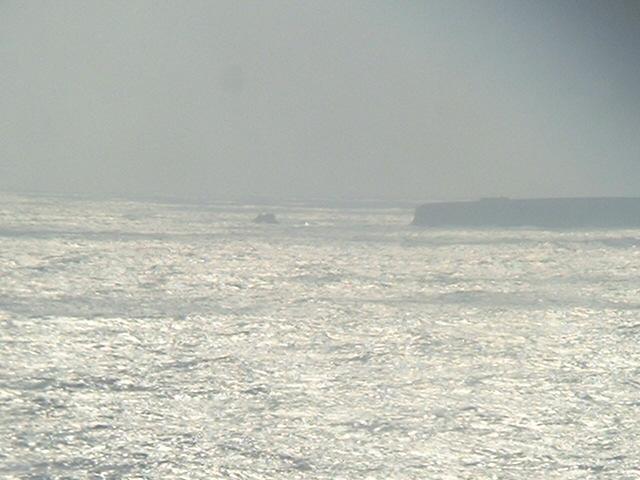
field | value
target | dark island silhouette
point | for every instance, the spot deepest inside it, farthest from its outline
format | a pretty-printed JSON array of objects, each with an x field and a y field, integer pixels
[
  {"x": 265, "y": 218},
  {"x": 552, "y": 213}
]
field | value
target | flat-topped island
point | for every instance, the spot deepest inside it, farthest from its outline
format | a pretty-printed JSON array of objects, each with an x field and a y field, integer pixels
[{"x": 595, "y": 212}]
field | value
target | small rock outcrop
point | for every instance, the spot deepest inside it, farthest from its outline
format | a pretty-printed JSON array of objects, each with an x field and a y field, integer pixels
[{"x": 265, "y": 218}]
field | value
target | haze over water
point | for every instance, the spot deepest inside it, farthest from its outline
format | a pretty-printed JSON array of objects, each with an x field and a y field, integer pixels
[
  {"x": 146, "y": 340},
  {"x": 167, "y": 336},
  {"x": 387, "y": 100}
]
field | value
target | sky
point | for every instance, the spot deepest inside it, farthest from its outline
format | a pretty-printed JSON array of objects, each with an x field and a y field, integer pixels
[{"x": 309, "y": 99}]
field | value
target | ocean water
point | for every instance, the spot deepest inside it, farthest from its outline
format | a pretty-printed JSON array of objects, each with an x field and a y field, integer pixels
[{"x": 161, "y": 341}]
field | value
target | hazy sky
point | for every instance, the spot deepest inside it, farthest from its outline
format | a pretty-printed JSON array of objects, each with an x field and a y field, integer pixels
[{"x": 336, "y": 99}]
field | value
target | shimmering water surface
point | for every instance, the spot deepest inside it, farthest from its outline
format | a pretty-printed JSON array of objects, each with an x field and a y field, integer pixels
[{"x": 142, "y": 340}]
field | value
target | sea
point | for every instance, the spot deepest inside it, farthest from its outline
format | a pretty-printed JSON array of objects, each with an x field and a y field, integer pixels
[{"x": 159, "y": 340}]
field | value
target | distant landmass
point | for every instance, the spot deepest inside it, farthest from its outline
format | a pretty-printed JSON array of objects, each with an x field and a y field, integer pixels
[{"x": 598, "y": 212}]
